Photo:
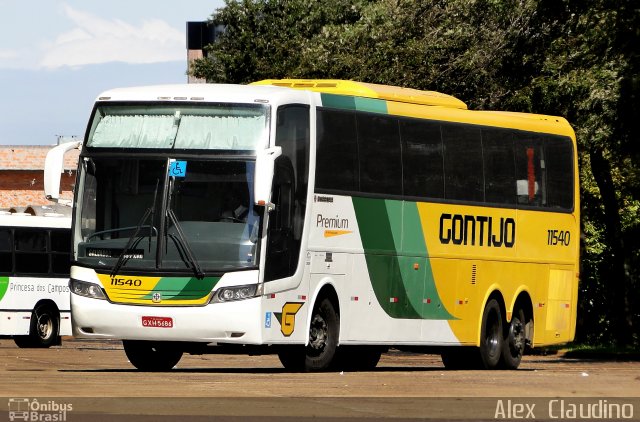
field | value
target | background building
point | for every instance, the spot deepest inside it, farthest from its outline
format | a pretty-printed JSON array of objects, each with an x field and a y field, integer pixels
[{"x": 199, "y": 36}]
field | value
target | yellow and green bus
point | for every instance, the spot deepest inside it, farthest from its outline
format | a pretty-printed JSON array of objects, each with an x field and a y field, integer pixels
[{"x": 322, "y": 220}]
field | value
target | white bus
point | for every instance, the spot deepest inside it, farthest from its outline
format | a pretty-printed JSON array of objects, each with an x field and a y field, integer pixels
[
  {"x": 34, "y": 278},
  {"x": 322, "y": 220}
]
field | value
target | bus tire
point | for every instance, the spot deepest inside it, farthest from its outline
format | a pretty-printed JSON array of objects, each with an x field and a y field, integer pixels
[
  {"x": 292, "y": 358},
  {"x": 324, "y": 331},
  {"x": 43, "y": 329},
  {"x": 491, "y": 336},
  {"x": 461, "y": 358},
  {"x": 514, "y": 340},
  {"x": 152, "y": 356},
  {"x": 359, "y": 358}
]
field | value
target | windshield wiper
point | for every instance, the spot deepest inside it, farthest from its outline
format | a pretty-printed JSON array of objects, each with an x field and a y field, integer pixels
[
  {"x": 183, "y": 243},
  {"x": 153, "y": 212},
  {"x": 134, "y": 239}
]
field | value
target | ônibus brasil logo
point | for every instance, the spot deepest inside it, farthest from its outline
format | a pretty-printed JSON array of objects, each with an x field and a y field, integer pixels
[{"x": 22, "y": 409}]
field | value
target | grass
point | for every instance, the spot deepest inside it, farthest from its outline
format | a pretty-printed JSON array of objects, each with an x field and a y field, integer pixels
[{"x": 596, "y": 352}]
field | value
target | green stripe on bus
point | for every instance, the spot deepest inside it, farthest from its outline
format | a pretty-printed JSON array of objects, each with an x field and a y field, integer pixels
[
  {"x": 343, "y": 102},
  {"x": 399, "y": 269},
  {"x": 413, "y": 240},
  {"x": 338, "y": 101},
  {"x": 183, "y": 288},
  {"x": 371, "y": 105},
  {"x": 4, "y": 285}
]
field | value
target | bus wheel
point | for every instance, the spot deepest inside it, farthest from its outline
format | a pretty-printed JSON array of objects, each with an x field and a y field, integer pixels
[
  {"x": 514, "y": 341},
  {"x": 152, "y": 356},
  {"x": 491, "y": 336},
  {"x": 323, "y": 337},
  {"x": 461, "y": 357},
  {"x": 359, "y": 358},
  {"x": 292, "y": 358},
  {"x": 43, "y": 331}
]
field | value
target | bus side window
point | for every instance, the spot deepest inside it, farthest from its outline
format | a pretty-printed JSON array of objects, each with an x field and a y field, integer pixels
[
  {"x": 499, "y": 166},
  {"x": 559, "y": 166},
  {"x": 282, "y": 253},
  {"x": 31, "y": 251},
  {"x": 530, "y": 168},
  {"x": 60, "y": 247},
  {"x": 379, "y": 153},
  {"x": 337, "y": 151},
  {"x": 463, "y": 174},
  {"x": 422, "y": 159},
  {"x": 6, "y": 261},
  {"x": 290, "y": 185}
]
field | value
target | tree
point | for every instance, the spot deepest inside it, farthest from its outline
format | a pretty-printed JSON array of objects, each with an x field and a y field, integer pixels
[{"x": 268, "y": 38}]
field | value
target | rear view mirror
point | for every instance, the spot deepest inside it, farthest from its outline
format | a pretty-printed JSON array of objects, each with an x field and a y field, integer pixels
[
  {"x": 263, "y": 176},
  {"x": 53, "y": 167}
]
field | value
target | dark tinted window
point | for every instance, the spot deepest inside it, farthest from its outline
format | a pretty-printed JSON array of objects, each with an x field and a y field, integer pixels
[
  {"x": 32, "y": 263},
  {"x": 6, "y": 261},
  {"x": 31, "y": 255},
  {"x": 499, "y": 166},
  {"x": 462, "y": 163},
  {"x": 379, "y": 152},
  {"x": 337, "y": 151},
  {"x": 559, "y": 171},
  {"x": 60, "y": 263},
  {"x": 289, "y": 192},
  {"x": 60, "y": 240},
  {"x": 31, "y": 240},
  {"x": 35, "y": 251},
  {"x": 5, "y": 240},
  {"x": 60, "y": 247},
  {"x": 529, "y": 170},
  {"x": 422, "y": 159}
]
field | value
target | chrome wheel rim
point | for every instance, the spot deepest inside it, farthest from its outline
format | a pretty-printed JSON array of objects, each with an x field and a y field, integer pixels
[{"x": 318, "y": 333}]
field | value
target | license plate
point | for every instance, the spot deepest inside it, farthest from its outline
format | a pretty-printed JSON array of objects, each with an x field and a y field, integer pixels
[{"x": 157, "y": 322}]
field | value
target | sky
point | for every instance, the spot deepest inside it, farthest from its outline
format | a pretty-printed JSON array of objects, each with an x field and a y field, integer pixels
[{"x": 56, "y": 56}]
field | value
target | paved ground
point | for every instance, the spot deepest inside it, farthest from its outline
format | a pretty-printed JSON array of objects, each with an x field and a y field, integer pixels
[{"x": 403, "y": 385}]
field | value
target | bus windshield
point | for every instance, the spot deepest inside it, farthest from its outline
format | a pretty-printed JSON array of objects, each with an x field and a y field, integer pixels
[{"x": 164, "y": 213}]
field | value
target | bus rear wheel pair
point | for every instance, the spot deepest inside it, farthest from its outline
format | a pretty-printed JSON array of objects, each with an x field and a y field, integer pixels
[
  {"x": 43, "y": 329},
  {"x": 501, "y": 344}
]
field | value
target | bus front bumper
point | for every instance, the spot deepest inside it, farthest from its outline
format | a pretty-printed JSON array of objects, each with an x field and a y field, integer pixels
[{"x": 232, "y": 322}]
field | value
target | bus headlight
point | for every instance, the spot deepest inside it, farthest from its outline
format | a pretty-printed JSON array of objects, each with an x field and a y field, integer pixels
[
  {"x": 82, "y": 288},
  {"x": 227, "y": 294}
]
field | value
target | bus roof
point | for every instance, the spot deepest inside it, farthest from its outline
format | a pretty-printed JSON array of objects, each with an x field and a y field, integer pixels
[
  {"x": 367, "y": 90},
  {"x": 415, "y": 103},
  {"x": 192, "y": 92}
]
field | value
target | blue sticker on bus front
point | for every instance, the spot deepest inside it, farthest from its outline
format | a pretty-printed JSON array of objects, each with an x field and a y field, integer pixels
[
  {"x": 178, "y": 168},
  {"x": 267, "y": 320}
]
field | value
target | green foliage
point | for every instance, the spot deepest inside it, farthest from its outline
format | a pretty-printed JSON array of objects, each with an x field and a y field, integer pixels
[{"x": 562, "y": 57}]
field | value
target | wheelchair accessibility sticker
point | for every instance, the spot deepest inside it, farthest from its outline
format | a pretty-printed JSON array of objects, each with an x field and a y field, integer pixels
[{"x": 178, "y": 168}]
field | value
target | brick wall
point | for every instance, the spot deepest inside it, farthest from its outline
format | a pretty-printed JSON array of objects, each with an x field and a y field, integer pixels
[
  {"x": 21, "y": 175},
  {"x": 26, "y": 187}
]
